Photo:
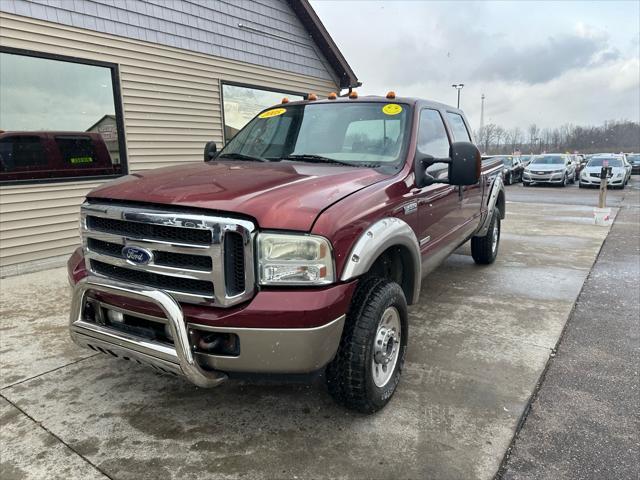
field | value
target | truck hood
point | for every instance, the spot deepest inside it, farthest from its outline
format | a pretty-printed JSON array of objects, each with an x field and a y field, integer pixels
[{"x": 285, "y": 195}]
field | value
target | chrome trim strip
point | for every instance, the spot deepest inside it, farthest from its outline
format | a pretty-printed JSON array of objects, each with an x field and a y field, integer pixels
[
  {"x": 219, "y": 226},
  {"x": 189, "y": 367},
  {"x": 385, "y": 233}
]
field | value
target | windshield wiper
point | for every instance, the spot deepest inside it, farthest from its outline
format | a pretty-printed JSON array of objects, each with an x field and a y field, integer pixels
[
  {"x": 318, "y": 159},
  {"x": 242, "y": 156}
]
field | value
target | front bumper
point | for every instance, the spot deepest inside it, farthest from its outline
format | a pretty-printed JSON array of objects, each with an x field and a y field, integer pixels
[
  {"x": 589, "y": 180},
  {"x": 262, "y": 350},
  {"x": 543, "y": 178}
]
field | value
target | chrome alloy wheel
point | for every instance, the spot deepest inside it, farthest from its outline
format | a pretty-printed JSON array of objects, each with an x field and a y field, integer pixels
[{"x": 386, "y": 347}]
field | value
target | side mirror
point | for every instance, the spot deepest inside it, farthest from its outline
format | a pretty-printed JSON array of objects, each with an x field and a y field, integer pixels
[
  {"x": 423, "y": 179},
  {"x": 465, "y": 164},
  {"x": 210, "y": 151}
]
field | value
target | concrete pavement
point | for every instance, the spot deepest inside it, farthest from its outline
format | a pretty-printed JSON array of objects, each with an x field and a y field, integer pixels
[
  {"x": 584, "y": 421},
  {"x": 480, "y": 339}
]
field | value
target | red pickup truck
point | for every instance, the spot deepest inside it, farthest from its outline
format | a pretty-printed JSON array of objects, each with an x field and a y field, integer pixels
[{"x": 295, "y": 248}]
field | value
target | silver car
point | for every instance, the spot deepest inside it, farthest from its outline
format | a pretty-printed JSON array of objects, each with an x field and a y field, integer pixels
[{"x": 553, "y": 168}]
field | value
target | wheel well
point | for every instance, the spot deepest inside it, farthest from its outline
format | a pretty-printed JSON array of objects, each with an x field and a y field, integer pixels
[
  {"x": 396, "y": 264},
  {"x": 500, "y": 204}
]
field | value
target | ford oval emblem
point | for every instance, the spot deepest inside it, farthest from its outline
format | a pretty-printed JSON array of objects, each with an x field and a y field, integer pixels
[{"x": 137, "y": 255}]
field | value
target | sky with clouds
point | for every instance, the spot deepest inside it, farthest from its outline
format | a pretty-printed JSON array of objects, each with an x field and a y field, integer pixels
[{"x": 548, "y": 63}]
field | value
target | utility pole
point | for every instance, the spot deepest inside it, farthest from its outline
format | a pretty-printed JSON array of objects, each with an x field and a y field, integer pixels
[
  {"x": 481, "y": 112},
  {"x": 458, "y": 87}
]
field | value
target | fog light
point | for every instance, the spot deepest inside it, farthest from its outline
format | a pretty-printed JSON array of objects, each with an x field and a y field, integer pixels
[{"x": 115, "y": 317}]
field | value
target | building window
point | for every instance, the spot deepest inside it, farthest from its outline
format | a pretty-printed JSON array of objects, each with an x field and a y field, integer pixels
[
  {"x": 60, "y": 118},
  {"x": 241, "y": 104}
]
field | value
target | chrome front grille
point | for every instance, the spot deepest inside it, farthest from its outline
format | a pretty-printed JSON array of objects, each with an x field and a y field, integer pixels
[{"x": 196, "y": 258}]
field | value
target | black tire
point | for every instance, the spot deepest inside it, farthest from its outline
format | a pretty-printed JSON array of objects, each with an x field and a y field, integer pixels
[
  {"x": 507, "y": 180},
  {"x": 482, "y": 248},
  {"x": 525, "y": 184},
  {"x": 349, "y": 376},
  {"x": 565, "y": 181},
  {"x": 580, "y": 185}
]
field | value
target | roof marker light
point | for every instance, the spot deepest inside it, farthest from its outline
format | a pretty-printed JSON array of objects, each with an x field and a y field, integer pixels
[
  {"x": 332, "y": 96},
  {"x": 391, "y": 94},
  {"x": 353, "y": 94},
  {"x": 285, "y": 100},
  {"x": 312, "y": 97}
]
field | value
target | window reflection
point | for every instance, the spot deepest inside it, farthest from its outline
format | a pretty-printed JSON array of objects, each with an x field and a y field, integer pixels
[
  {"x": 57, "y": 119},
  {"x": 241, "y": 104}
]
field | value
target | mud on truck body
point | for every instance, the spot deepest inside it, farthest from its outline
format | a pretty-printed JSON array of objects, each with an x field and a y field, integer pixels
[{"x": 295, "y": 248}]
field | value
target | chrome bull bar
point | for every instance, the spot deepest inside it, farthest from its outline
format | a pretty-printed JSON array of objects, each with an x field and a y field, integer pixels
[{"x": 179, "y": 359}]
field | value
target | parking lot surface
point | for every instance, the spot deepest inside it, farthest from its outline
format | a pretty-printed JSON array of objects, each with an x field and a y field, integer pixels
[{"x": 480, "y": 339}]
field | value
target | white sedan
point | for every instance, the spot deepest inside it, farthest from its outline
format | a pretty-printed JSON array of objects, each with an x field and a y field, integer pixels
[{"x": 590, "y": 174}]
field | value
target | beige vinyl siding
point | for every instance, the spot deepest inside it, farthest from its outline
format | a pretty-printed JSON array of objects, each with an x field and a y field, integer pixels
[{"x": 172, "y": 107}]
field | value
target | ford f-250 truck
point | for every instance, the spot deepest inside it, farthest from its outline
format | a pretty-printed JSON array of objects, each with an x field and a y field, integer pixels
[{"x": 297, "y": 247}]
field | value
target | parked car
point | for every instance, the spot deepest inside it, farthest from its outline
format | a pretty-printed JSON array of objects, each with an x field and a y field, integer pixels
[
  {"x": 298, "y": 247},
  {"x": 525, "y": 160},
  {"x": 634, "y": 160},
  {"x": 591, "y": 174},
  {"x": 551, "y": 168},
  {"x": 42, "y": 155},
  {"x": 512, "y": 171},
  {"x": 580, "y": 162}
]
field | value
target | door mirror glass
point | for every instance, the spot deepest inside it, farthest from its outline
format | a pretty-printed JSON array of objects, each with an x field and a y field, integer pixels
[
  {"x": 210, "y": 151},
  {"x": 465, "y": 164}
]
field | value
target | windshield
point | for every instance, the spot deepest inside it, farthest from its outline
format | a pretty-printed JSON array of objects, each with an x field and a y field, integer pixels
[
  {"x": 548, "y": 160},
  {"x": 633, "y": 158},
  {"x": 360, "y": 134},
  {"x": 507, "y": 161},
  {"x": 598, "y": 162}
]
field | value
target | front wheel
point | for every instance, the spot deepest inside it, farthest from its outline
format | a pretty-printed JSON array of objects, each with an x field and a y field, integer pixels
[
  {"x": 565, "y": 181},
  {"x": 366, "y": 370},
  {"x": 484, "y": 250}
]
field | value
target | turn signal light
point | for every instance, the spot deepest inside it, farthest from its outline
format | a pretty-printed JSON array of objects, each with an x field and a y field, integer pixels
[
  {"x": 332, "y": 96},
  {"x": 353, "y": 94},
  {"x": 285, "y": 100},
  {"x": 391, "y": 94},
  {"x": 312, "y": 97}
]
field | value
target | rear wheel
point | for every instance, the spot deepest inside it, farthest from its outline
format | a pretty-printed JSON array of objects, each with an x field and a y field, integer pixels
[
  {"x": 484, "y": 250},
  {"x": 366, "y": 370}
]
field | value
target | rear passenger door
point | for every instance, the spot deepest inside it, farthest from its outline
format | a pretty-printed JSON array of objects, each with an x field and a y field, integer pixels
[{"x": 437, "y": 203}]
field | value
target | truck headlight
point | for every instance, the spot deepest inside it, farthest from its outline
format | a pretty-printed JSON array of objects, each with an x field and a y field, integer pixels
[{"x": 288, "y": 259}]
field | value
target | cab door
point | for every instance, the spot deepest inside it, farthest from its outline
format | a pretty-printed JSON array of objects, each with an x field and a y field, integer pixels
[
  {"x": 437, "y": 203},
  {"x": 470, "y": 195}
]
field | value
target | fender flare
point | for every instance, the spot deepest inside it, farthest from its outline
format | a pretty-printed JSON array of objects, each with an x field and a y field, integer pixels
[
  {"x": 496, "y": 187},
  {"x": 383, "y": 234}
]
